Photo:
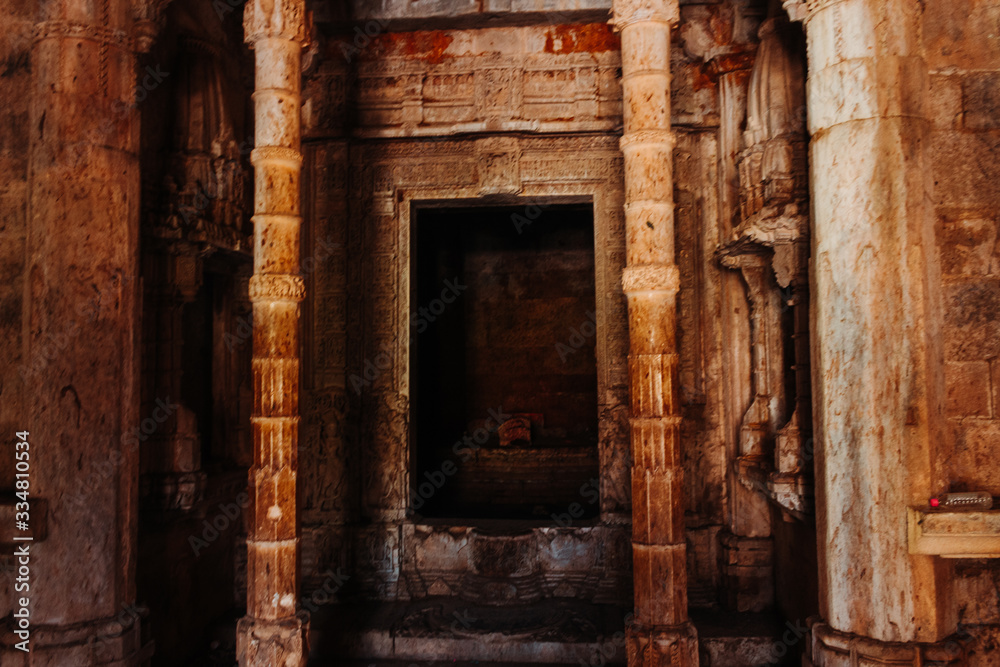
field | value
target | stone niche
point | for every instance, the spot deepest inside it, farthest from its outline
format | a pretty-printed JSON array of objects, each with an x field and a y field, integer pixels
[
  {"x": 503, "y": 364},
  {"x": 518, "y": 554}
]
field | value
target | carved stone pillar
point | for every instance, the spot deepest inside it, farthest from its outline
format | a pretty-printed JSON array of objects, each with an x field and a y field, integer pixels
[
  {"x": 170, "y": 463},
  {"x": 661, "y": 634},
  {"x": 876, "y": 327},
  {"x": 81, "y": 307},
  {"x": 748, "y": 549},
  {"x": 274, "y": 631}
]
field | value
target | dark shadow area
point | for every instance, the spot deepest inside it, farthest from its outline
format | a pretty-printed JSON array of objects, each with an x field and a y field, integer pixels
[{"x": 503, "y": 365}]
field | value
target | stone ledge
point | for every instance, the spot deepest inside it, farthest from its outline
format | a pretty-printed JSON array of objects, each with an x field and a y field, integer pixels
[{"x": 954, "y": 534}]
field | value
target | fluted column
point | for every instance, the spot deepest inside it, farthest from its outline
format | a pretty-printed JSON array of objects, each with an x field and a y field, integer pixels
[
  {"x": 274, "y": 631},
  {"x": 660, "y": 634}
]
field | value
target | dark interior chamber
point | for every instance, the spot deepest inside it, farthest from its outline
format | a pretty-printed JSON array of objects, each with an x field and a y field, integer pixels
[{"x": 503, "y": 366}]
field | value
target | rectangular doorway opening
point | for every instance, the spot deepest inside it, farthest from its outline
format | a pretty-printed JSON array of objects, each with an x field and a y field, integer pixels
[{"x": 503, "y": 370}]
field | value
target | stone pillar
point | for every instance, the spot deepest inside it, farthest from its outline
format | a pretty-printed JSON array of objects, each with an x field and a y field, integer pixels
[
  {"x": 170, "y": 464},
  {"x": 274, "y": 631},
  {"x": 876, "y": 323},
  {"x": 661, "y": 634},
  {"x": 81, "y": 316}
]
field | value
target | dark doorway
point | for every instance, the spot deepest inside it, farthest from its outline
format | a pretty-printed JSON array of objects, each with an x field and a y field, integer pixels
[{"x": 503, "y": 363}]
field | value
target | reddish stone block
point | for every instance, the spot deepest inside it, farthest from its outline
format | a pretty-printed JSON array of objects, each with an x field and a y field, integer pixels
[{"x": 968, "y": 388}]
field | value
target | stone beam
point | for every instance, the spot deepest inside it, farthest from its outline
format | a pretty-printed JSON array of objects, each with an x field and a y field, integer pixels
[
  {"x": 274, "y": 631},
  {"x": 661, "y": 634}
]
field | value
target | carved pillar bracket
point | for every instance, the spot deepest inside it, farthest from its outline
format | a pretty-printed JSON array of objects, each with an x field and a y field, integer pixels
[
  {"x": 274, "y": 631},
  {"x": 661, "y": 633},
  {"x": 148, "y": 22}
]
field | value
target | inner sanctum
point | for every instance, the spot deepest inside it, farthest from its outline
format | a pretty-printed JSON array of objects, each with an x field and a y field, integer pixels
[{"x": 658, "y": 333}]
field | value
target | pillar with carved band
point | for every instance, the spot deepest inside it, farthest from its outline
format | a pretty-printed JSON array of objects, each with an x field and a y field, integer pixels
[
  {"x": 661, "y": 634},
  {"x": 876, "y": 337},
  {"x": 274, "y": 630}
]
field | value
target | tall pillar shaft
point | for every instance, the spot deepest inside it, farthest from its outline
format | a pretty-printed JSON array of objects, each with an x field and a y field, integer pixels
[
  {"x": 81, "y": 324},
  {"x": 660, "y": 634},
  {"x": 274, "y": 631},
  {"x": 876, "y": 346}
]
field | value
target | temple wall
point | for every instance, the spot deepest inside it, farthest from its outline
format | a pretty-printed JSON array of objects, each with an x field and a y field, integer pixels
[
  {"x": 963, "y": 56},
  {"x": 518, "y": 114}
]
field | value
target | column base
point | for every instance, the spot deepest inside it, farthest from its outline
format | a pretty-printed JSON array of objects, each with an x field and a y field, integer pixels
[
  {"x": 675, "y": 646},
  {"x": 831, "y": 648},
  {"x": 280, "y": 643},
  {"x": 109, "y": 642}
]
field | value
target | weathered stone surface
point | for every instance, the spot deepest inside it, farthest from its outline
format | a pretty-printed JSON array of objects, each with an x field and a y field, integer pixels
[
  {"x": 505, "y": 103},
  {"x": 968, "y": 387},
  {"x": 876, "y": 340},
  {"x": 972, "y": 312}
]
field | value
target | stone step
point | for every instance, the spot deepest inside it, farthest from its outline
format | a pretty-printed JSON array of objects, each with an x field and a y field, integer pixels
[
  {"x": 547, "y": 632},
  {"x": 449, "y": 631},
  {"x": 732, "y": 639}
]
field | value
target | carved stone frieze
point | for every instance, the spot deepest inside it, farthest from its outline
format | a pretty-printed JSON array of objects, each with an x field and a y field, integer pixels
[
  {"x": 96, "y": 33},
  {"x": 283, "y": 19},
  {"x": 499, "y": 162},
  {"x": 626, "y": 12},
  {"x": 770, "y": 246},
  {"x": 651, "y": 278},
  {"x": 564, "y": 81},
  {"x": 279, "y": 287}
]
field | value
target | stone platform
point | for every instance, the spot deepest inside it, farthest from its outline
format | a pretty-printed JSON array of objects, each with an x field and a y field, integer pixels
[
  {"x": 448, "y": 631},
  {"x": 551, "y": 631}
]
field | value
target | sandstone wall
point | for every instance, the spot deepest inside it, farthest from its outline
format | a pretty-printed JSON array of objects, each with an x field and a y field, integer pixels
[{"x": 962, "y": 41}]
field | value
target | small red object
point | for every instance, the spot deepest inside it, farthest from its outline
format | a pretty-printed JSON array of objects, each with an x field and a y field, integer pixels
[{"x": 935, "y": 502}]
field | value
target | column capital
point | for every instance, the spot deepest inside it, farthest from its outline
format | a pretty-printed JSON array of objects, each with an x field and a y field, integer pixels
[
  {"x": 148, "y": 16},
  {"x": 627, "y": 12},
  {"x": 281, "y": 19},
  {"x": 798, "y": 10}
]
